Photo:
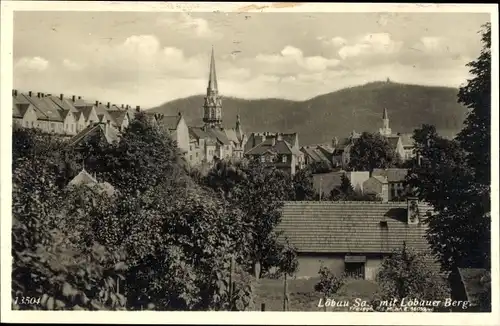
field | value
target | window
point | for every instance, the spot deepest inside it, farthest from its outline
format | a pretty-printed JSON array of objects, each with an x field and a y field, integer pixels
[
  {"x": 52, "y": 126},
  {"x": 26, "y": 123},
  {"x": 190, "y": 157},
  {"x": 190, "y": 147},
  {"x": 262, "y": 159},
  {"x": 355, "y": 266},
  {"x": 32, "y": 124},
  {"x": 196, "y": 154},
  {"x": 283, "y": 159}
]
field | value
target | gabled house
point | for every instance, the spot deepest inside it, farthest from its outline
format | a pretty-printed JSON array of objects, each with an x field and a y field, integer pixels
[
  {"x": 178, "y": 130},
  {"x": 353, "y": 237},
  {"x": 86, "y": 179},
  {"x": 105, "y": 131},
  {"x": 277, "y": 149},
  {"x": 387, "y": 183}
]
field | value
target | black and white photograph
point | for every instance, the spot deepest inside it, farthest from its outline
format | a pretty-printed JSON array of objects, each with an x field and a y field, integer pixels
[{"x": 251, "y": 157}]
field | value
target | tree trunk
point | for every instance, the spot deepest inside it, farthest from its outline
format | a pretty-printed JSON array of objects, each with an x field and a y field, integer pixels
[{"x": 257, "y": 270}]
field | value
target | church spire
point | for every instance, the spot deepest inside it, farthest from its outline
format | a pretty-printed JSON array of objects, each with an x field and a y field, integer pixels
[
  {"x": 212, "y": 78},
  {"x": 385, "y": 130},
  {"x": 385, "y": 116},
  {"x": 212, "y": 108}
]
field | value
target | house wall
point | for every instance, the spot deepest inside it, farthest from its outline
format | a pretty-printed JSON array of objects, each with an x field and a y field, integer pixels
[
  {"x": 372, "y": 186},
  {"x": 400, "y": 149},
  {"x": 358, "y": 178},
  {"x": 309, "y": 264},
  {"x": 183, "y": 135},
  {"x": 70, "y": 124},
  {"x": 29, "y": 119}
]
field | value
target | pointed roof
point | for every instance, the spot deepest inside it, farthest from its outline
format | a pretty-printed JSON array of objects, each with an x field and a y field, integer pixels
[
  {"x": 83, "y": 178},
  {"x": 212, "y": 78},
  {"x": 385, "y": 115}
]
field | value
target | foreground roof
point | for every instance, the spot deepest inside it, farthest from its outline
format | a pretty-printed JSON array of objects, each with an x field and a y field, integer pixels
[{"x": 351, "y": 227}]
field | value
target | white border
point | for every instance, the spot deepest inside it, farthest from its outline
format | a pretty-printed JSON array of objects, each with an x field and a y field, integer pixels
[{"x": 225, "y": 318}]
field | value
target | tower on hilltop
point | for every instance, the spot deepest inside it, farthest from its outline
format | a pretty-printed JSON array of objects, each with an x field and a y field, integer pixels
[
  {"x": 212, "y": 108},
  {"x": 385, "y": 130}
]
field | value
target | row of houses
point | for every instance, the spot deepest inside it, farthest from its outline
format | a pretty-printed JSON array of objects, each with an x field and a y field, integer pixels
[
  {"x": 67, "y": 116},
  {"x": 337, "y": 154}
]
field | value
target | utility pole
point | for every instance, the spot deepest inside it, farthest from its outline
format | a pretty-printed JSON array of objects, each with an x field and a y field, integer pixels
[{"x": 320, "y": 187}]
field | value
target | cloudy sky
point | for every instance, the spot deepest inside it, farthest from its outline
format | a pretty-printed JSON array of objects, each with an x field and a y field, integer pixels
[{"x": 149, "y": 58}]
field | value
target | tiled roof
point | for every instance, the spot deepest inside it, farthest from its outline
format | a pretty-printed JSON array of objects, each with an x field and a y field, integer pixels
[
  {"x": 86, "y": 111},
  {"x": 110, "y": 133},
  {"x": 16, "y": 111},
  {"x": 393, "y": 141},
  {"x": 280, "y": 147},
  {"x": 118, "y": 116},
  {"x": 351, "y": 227},
  {"x": 231, "y": 135},
  {"x": 392, "y": 174},
  {"x": 198, "y": 133},
  {"x": 407, "y": 140},
  {"x": 380, "y": 178},
  {"x": 45, "y": 109},
  {"x": 170, "y": 121},
  {"x": 218, "y": 134}
]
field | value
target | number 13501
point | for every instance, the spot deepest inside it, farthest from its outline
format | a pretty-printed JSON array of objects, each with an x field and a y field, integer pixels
[{"x": 27, "y": 300}]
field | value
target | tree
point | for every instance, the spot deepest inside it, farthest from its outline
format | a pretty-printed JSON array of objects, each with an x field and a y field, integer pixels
[
  {"x": 142, "y": 158},
  {"x": 345, "y": 192},
  {"x": 407, "y": 274},
  {"x": 371, "y": 151},
  {"x": 453, "y": 175},
  {"x": 475, "y": 137},
  {"x": 260, "y": 197},
  {"x": 303, "y": 185}
]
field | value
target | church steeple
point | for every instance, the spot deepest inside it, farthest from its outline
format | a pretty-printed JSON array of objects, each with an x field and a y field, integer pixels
[
  {"x": 212, "y": 108},
  {"x": 212, "y": 77},
  {"x": 385, "y": 130}
]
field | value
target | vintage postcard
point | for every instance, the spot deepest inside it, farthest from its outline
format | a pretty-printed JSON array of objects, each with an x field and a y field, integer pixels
[{"x": 172, "y": 162}]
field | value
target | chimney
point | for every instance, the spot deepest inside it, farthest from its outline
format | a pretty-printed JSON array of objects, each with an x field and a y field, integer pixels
[
  {"x": 122, "y": 106},
  {"x": 79, "y": 97},
  {"x": 100, "y": 103},
  {"x": 138, "y": 108},
  {"x": 179, "y": 113},
  {"x": 73, "y": 98},
  {"x": 29, "y": 93},
  {"x": 279, "y": 137},
  {"x": 38, "y": 94},
  {"x": 96, "y": 103},
  {"x": 413, "y": 212},
  {"x": 14, "y": 92},
  {"x": 61, "y": 96},
  {"x": 107, "y": 105}
]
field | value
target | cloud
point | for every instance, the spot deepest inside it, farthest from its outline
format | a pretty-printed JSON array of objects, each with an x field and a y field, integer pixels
[
  {"x": 32, "y": 64},
  {"x": 71, "y": 65},
  {"x": 370, "y": 45},
  {"x": 291, "y": 60},
  {"x": 431, "y": 42},
  {"x": 336, "y": 41},
  {"x": 185, "y": 23}
]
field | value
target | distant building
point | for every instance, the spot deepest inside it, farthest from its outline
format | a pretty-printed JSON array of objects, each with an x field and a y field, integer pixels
[
  {"x": 353, "y": 237},
  {"x": 320, "y": 153},
  {"x": 278, "y": 149},
  {"x": 86, "y": 179},
  {"x": 212, "y": 141},
  {"x": 68, "y": 116},
  {"x": 387, "y": 183},
  {"x": 401, "y": 144}
]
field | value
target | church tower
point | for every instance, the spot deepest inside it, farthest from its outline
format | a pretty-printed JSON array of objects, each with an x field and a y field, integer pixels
[
  {"x": 385, "y": 130},
  {"x": 212, "y": 108}
]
